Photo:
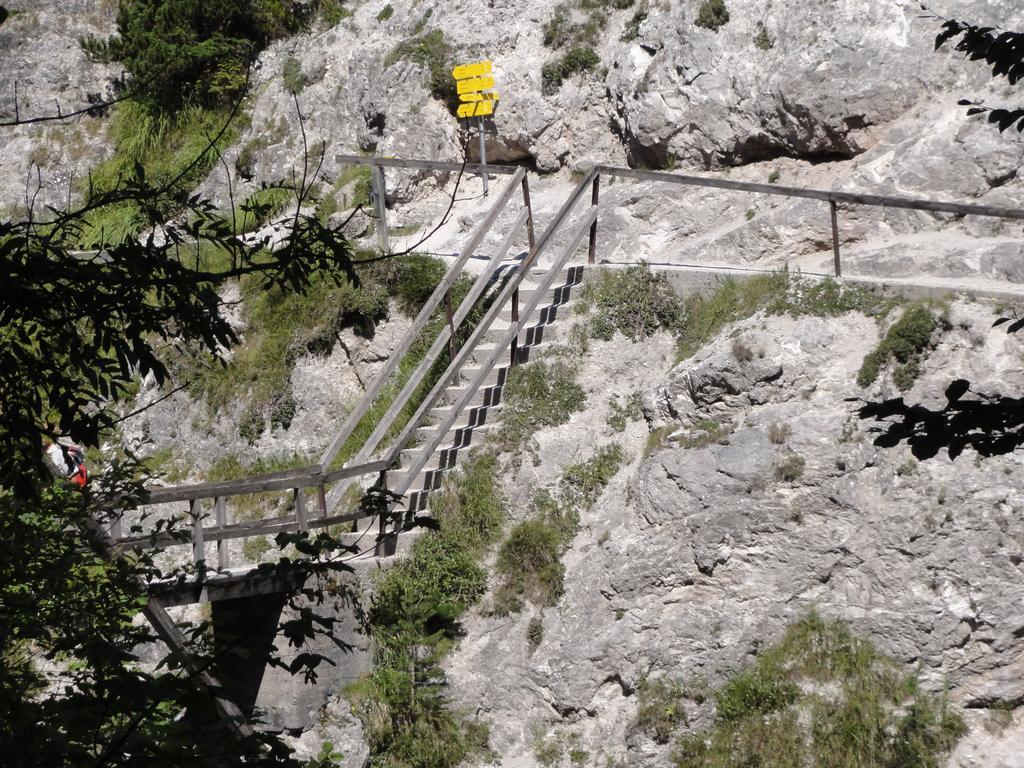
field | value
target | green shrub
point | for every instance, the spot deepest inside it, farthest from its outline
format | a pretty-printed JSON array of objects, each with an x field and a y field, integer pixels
[
  {"x": 435, "y": 53},
  {"x": 632, "y": 30},
  {"x": 712, "y": 15},
  {"x": 537, "y": 395},
  {"x": 634, "y": 301},
  {"x": 620, "y": 414},
  {"x": 470, "y": 505},
  {"x": 822, "y": 697},
  {"x": 528, "y": 562},
  {"x": 254, "y": 548},
  {"x": 386, "y": 13},
  {"x": 413, "y": 618},
  {"x": 906, "y": 342},
  {"x": 790, "y": 467},
  {"x": 762, "y": 39},
  {"x": 333, "y": 12},
  {"x": 195, "y": 51},
  {"x": 556, "y": 29},
  {"x": 578, "y": 59},
  {"x": 250, "y": 425},
  {"x": 534, "y": 633},
  {"x": 659, "y": 708},
  {"x": 283, "y": 411},
  {"x": 774, "y": 176},
  {"x": 291, "y": 74},
  {"x": 583, "y": 482}
]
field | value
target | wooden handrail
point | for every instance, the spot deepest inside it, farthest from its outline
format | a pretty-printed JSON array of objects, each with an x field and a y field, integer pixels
[
  {"x": 300, "y": 477},
  {"x": 855, "y": 198},
  {"x": 482, "y": 328}
]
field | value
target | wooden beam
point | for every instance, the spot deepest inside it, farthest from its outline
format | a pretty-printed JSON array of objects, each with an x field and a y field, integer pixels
[{"x": 425, "y": 165}]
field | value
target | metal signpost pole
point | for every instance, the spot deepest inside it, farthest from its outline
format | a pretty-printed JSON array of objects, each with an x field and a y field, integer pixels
[{"x": 483, "y": 152}]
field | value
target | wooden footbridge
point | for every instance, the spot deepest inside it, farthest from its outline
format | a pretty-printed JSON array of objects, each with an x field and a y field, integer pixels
[{"x": 516, "y": 301}]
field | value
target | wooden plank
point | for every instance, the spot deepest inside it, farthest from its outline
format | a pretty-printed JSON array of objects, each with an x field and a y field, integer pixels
[
  {"x": 453, "y": 274},
  {"x": 886, "y": 201},
  {"x": 221, "y": 518},
  {"x": 431, "y": 357},
  {"x": 425, "y": 165},
  {"x": 594, "y": 199}
]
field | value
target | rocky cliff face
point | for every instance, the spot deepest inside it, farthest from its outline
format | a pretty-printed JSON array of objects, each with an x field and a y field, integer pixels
[
  {"x": 695, "y": 556},
  {"x": 700, "y": 554}
]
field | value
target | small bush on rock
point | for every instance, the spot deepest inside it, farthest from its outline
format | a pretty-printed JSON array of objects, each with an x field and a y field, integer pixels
[
  {"x": 659, "y": 709},
  {"x": 434, "y": 52},
  {"x": 906, "y": 342},
  {"x": 576, "y": 60},
  {"x": 540, "y": 394},
  {"x": 634, "y": 301},
  {"x": 712, "y": 15}
]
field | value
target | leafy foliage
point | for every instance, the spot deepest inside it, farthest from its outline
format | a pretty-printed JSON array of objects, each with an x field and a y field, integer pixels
[
  {"x": 821, "y": 696},
  {"x": 182, "y": 52},
  {"x": 1002, "y": 50},
  {"x": 634, "y": 301}
]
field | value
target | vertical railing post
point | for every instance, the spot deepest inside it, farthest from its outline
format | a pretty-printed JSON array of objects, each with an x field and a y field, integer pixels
[
  {"x": 321, "y": 499},
  {"x": 529, "y": 213},
  {"x": 453, "y": 347},
  {"x": 198, "y": 545},
  {"x": 221, "y": 517},
  {"x": 378, "y": 184},
  {"x": 514, "y": 346},
  {"x": 594, "y": 197},
  {"x": 199, "y": 548},
  {"x": 835, "y": 239},
  {"x": 300, "y": 509}
]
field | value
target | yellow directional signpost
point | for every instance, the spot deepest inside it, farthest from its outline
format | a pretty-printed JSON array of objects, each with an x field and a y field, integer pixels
[{"x": 475, "y": 86}]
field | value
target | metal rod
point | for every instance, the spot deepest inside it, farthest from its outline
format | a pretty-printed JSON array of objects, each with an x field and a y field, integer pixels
[
  {"x": 322, "y": 500},
  {"x": 426, "y": 165},
  {"x": 483, "y": 152},
  {"x": 835, "y": 238},
  {"x": 594, "y": 197},
  {"x": 379, "y": 186}
]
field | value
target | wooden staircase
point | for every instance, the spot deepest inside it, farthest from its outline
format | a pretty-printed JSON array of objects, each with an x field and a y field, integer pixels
[{"x": 483, "y": 412}]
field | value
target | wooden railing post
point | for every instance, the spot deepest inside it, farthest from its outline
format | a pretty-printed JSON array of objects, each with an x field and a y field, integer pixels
[
  {"x": 221, "y": 517},
  {"x": 835, "y": 239},
  {"x": 300, "y": 509},
  {"x": 198, "y": 548},
  {"x": 321, "y": 498},
  {"x": 514, "y": 346},
  {"x": 380, "y": 204},
  {"x": 529, "y": 213},
  {"x": 594, "y": 197}
]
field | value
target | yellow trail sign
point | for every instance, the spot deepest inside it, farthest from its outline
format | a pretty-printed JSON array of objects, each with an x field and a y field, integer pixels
[
  {"x": 476, "y": 109},
  {"x": 487, "y": 96},
  {"x": 472, "y": 70},
  {"x": 475, "y": 84}
]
